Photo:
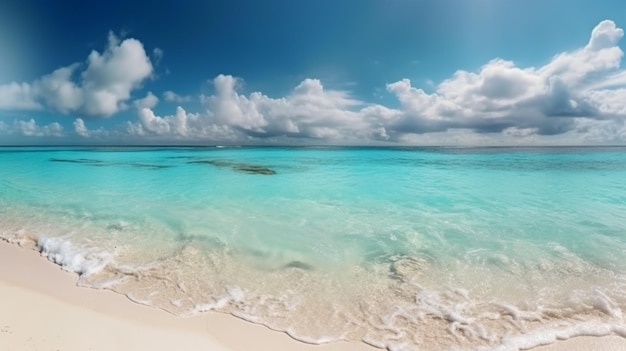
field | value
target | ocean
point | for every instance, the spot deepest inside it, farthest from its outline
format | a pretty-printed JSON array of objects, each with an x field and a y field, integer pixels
[{"x": 402, "y": 248}]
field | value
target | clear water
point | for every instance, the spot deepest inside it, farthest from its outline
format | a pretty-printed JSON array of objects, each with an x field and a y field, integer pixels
[{"x": 403, "y": 248}]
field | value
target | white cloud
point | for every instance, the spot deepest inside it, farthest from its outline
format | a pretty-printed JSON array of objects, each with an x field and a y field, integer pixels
[
  {"x": 310, "y": 111},
  {"x": 576, "y": 97},
  {"x": 182, "y": 125},
  {"x": 573, "y": 94},
  {"x": 147, "y": 102},
  {"x": 59, "y": 91},
  {"x": 171, "y": 125},
  {"x": 111, "y": 76},
  {"x": 80, "y": 128},
  {"x": 16, "y": 96},
  {"x": 605, "y": 35},
  {"x": 171, "y": 96},
  {"x": 103, "y": 89},
  {"x": 504, "y": 98},
  {"x": 31, "y": 128}
]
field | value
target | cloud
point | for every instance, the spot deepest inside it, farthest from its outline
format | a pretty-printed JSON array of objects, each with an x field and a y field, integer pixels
[
  {"x": 171, "y": 125},
  {"x": 147, "y": 102},
  {"x": 30, "y": 128},
  {"x": 18, "y": 96},
  {"x": 180, "y": 126},
  {"x": 605, "y": 35},
  {"x": 310, "y": 111},
  {"x": 59, "y": 91},
  {"x": 576, "y": 97},
  {"x": 111, "y": 76},
  {"x": 101, "y": 89},
  {"x": 81, "y": 130},
  {"x": 502, "y": 97},
  {"x": 157, "y": 55},
  {"x": 574, "y": 94},
  {"x": 171, "y": 96}
]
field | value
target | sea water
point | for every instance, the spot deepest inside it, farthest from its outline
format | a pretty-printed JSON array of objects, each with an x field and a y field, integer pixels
[{"x": 401, "y": 248}]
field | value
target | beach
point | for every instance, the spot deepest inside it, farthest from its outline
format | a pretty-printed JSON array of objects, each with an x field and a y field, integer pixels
[{"x": 43, "y": 309}]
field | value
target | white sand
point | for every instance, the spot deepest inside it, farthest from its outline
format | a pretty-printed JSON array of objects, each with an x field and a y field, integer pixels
[{"x": 42, "y": 309}]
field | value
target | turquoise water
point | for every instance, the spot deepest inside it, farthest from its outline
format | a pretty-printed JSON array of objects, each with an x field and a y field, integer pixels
[{"x": 404, "y": 248}]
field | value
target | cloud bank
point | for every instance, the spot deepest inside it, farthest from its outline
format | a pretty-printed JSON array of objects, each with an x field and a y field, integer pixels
[
  {"x": 100, "y": 87},
  {"x": 576, "y": 97}
]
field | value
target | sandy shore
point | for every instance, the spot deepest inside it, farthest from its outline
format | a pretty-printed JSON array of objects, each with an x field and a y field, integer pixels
[{"x": 42, "y": 309}]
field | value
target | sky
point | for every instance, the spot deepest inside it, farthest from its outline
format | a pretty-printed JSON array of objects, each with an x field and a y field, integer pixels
[{"x": 323, "y": 72}]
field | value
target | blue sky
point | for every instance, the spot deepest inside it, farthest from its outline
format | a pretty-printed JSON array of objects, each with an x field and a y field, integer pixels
[{"x": 446, "y": 72}]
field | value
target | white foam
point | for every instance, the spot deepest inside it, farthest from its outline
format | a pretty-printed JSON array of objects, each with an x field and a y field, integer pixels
[
  {"x": 518, "y": 314},
  {"x": 604, "y": 303},
  {"x": 233, "y": 294},
  {"x": 549, "y": 336},
  {"x": 61, "y": 252}
]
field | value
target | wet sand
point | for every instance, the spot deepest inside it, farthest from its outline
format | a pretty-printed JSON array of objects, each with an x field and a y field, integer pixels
[{"x": 42, "y": 309}]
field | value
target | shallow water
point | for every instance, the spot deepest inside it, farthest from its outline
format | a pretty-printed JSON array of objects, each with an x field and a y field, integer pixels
[{"x": 404, "y": 248}]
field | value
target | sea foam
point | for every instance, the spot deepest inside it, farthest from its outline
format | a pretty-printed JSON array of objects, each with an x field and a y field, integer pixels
[{"x": 82, "y": 262}]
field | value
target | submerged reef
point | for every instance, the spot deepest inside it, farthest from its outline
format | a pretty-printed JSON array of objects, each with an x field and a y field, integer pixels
[
  {"x": 91, "y": 162},
  {"x": 236, "y": 166}
]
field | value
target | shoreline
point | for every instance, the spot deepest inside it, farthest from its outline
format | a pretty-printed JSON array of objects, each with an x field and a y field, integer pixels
[{"x": 42, "y": 308}]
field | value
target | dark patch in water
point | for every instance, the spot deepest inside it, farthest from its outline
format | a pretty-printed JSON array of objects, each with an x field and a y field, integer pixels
[
  {"x": 100, "y": 163},
  {"x": 181, "y": 157},
  {"x": 148, "y": 166},
  {"x": 80, "y": 160},
  {"x": 299, "y": 265},
  {"x": 240, "y": 167}
]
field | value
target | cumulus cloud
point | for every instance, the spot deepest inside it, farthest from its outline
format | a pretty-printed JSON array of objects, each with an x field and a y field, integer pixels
[
  {"x": 180, "y": 126},
  {"x": 31, "y": 128},
  {"x": 501, "y": 100},
  {"x": 174, "y": 125},
  {"x": 147, "y": 102},
  {"x": 171, "y": 96},
  {"x": 576, "y": 97},
  {"x": 101, "y": 89},
  {"x": 310, "y": 111},
  {"x": 18, "y": 96},
  {"x": 111, "y": 76},
  {"x": 59, "y": 91},
  {"x": 81, "y": 129},
  {"x": 504, "y": 98}
]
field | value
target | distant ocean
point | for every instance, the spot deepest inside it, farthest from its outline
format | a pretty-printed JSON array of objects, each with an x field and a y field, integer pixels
[{"x": 403, "y": 248}]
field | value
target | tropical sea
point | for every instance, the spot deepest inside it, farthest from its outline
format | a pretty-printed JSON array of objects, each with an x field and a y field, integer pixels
[{"x": 401, "y": 248}]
